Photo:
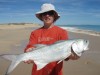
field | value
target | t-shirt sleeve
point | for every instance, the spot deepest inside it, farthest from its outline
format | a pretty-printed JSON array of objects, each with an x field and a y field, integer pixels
[
  {"x": 32, "y": 41},
  {"x": 64, "y": 35}
]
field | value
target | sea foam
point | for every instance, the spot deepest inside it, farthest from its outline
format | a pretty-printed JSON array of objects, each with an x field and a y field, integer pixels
[{"x": 77, "y": 30}]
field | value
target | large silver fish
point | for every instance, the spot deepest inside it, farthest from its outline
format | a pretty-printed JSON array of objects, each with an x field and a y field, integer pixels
[{"x": 44, "y": 54}]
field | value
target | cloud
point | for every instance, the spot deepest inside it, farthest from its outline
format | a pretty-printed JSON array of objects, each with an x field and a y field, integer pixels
[
  {"x": 79, "y": 12},
  {"x": 2, "y": 8},
  {"x": 16, "y": 14},
  {"x": 82, "y": 13},
  {"x": 97, "y": 15},
  {"x": 7, "y": 1}
]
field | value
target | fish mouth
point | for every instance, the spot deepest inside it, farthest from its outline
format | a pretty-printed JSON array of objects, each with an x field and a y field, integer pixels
[{"x": 83, "y": 44}]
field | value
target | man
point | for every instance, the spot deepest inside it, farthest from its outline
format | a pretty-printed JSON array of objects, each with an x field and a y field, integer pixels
[{"x": 48, "y": 34}]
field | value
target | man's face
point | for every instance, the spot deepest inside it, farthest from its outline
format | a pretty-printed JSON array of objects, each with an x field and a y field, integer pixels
[{"x": 48, "y": 17}]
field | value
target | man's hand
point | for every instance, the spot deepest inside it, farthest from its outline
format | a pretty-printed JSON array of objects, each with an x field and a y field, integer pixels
[
  {"x": 29, "y": 61},
  {"x": 73, "y": 57},
  {"x": 67, "y": 59}
]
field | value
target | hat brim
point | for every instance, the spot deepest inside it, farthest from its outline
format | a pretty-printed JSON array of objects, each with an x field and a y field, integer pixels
[{"x": 38, "y": 14}]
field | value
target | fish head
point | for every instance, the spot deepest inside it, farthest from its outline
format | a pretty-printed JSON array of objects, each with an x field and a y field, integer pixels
[{"x": 80, "y": 46}]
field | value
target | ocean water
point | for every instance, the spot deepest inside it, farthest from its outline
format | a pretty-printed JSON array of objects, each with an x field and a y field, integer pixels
[{"x": 85, "y": 27}]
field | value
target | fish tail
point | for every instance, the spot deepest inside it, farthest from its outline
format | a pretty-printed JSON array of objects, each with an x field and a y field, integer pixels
[
  {"x": 9, "y": 57},
  {"x": 13, "y": 63}
]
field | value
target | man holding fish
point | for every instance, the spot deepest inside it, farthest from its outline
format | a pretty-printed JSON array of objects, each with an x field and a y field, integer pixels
[{"x": 48, "y": 34}]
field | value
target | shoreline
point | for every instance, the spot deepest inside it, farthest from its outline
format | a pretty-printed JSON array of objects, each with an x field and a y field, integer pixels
[
  {"x": 77, "y": 30},
  {"x": 70, "y": 29}
]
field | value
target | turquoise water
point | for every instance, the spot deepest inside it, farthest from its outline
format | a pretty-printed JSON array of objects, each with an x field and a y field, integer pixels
[{"x": 85, "y": 27}]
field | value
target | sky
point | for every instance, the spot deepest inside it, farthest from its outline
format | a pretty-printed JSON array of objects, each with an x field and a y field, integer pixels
[{"x": 72, "y": 12}]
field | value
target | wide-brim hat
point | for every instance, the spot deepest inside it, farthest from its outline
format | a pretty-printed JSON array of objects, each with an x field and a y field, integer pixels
[{"x": 46, "y": 8}]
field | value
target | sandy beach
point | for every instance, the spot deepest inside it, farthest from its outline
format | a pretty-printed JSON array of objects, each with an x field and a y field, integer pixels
[{"x": 13, "y": 39}]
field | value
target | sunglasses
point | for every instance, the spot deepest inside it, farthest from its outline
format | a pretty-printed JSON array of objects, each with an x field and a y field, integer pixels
[{"x": 50, "y": 13}]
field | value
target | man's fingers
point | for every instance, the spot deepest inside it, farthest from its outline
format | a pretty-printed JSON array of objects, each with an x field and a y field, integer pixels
[{"x": 29, "y": 61}]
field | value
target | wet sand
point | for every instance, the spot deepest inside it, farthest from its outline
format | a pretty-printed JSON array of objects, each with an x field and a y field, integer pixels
[{"x": 13, "y": 40}]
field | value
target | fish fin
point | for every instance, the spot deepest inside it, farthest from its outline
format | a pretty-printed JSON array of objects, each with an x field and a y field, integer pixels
[
  {"x": 9, "y": 57},
  {"x": 13, "y": 65},
  {"x": 59, "y": 61},
  {"x": 40, "y": 65},
  {"x": 39, "y": 45}
]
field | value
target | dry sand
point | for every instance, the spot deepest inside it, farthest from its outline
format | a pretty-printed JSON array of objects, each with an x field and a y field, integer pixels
[{"x": 13, "y": 39}]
